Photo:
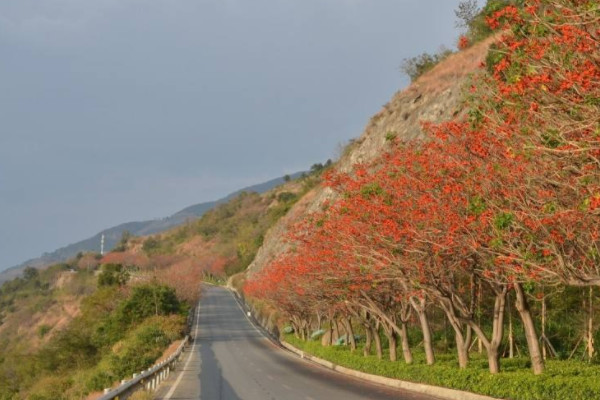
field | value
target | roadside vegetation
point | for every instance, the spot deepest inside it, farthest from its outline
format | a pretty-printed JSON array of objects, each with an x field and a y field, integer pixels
[
  {"x": 563, "y": 380},
  {"x": 128, "y": 306},
  {"x": 482, "y": 241},
  {"x": 115, "y": 328}
]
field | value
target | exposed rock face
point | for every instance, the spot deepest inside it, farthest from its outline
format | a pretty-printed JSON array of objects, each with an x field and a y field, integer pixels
[{"x": 434, "y": 97}]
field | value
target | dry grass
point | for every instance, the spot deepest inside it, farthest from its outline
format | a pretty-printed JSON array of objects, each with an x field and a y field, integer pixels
[
  {"x": 169, "y": 351},
  {"x": 456, "y": 67}
]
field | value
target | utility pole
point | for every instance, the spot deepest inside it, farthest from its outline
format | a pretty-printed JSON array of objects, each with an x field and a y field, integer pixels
[{"x": 102, "y": 245}]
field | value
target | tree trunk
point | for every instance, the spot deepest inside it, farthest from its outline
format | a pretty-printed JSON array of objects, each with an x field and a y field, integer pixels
[
  {"x": 419, "y": 307},
  {"x": 336, "y": 328},
  {"x": 368, "y": 340},
  {"x": 408, "y": 358},
  {"x": 544, "y": 355},
  {"x": 349, "y": 334},
  {"x": 295, "y": 328},
  {"x": 537, "y": 361},
  {"x": 492, "y": 345},
  {"x": 331, "y": 332},
  {"x": 462, "y": 343},
  {"x": 479, "y": 343},
  {"x": 590, "y": 325},
  {"x": 497, "y": 330},
  {"x": 378, "y": 346},
  {"x": 462, "y": 350},
  {"x": 393, "y": 344},
  {"x": 493, "y": 360},
  {"x": 511, "y": 338}
]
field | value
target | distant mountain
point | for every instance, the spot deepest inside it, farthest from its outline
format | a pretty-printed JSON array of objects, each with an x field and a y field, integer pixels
[{"x": 137, "y": 228}]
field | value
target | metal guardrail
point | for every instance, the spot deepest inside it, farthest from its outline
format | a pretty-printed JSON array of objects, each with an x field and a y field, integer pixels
[{"x": 147, "y": 380}]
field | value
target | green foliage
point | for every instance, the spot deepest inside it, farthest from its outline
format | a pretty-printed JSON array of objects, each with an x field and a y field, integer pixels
[
  {"x": 51, "y": 388},
  {"x": 113, "y": 275},
  {"x": 493, "y": 57},
  {"x": 286, "y": 197},
  {"x": 117, "y": 332},
  {"x": 141, "y": 348},
  {"x": 150, "y": 245},
  {"x": 473, "y": 19},
  {"x": 43, "y": 330},
  {"x": 414, "y": 67},
  {"x": 371, "y": 190},
  {"x": 503, "y": 220},
  {"x": 477, "y": 205},
  {"x": 563, "y": 380},
  {"x": 148, "y": 300},
  {"x": 30, "y": 273}
]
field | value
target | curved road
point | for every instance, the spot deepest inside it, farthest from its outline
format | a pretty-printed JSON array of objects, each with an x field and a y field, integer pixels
[{"x": 232, "y": 360}]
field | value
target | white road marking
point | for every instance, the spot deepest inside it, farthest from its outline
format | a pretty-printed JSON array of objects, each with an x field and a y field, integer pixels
[
  {"x": 178, "y": 380},
  {"x": 245, "y": 315}
]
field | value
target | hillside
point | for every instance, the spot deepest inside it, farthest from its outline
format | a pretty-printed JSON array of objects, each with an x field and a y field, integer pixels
[
  {"x": 78, "y": 327},
  {"x": 137, "y": 228},
  {"x": 224, "y": 241},
  {"x": 435, "y": 97},
  {"x": 62, "y": 311}
]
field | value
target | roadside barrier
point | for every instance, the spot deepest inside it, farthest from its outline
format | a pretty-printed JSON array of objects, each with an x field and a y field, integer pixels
[{"x": 147, "y": 380}]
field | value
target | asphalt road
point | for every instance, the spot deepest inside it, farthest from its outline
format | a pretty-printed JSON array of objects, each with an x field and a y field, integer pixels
[{"x": 230, "y": 360}]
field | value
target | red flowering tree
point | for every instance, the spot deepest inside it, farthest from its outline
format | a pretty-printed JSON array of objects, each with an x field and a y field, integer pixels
[{"x": 508, "y": 196}]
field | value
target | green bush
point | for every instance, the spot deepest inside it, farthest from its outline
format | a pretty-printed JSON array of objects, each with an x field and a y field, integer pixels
[
  {"x": 138, "y": 350},
  {"x": 43, "y": 330},
  {"x": 414, "y": 67},
  {"x": 112, "y": 275},
  {"x": 562, "y": 380},
  {"x": 51, "y": 388},
  {"x": 148, "y": 300}
]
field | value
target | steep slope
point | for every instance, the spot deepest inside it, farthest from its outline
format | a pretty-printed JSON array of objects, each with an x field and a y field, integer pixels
[
  {"x": 436, "y": 96},
  {"x": 137, "y": 228}
]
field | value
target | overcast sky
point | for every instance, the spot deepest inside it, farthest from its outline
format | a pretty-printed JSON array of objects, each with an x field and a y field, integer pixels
[{"x": 121, "y": 110}]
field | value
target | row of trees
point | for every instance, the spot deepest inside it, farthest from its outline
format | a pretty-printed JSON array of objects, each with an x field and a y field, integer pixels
[{"x": 494, "y": 203}]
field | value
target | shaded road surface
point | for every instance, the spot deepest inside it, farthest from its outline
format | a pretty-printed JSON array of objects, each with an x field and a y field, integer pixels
[{"x": 232, "y": 360}]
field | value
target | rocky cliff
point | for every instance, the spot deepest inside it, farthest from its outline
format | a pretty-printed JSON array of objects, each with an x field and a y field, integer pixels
[{"x": 436, "y": 96}]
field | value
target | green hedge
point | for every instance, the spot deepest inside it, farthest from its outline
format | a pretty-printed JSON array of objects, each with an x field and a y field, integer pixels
[{"x": 562, "y": 380}]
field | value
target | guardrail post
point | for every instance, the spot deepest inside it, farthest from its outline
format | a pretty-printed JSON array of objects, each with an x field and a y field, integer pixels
[{"x": 148, "y": 380}]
